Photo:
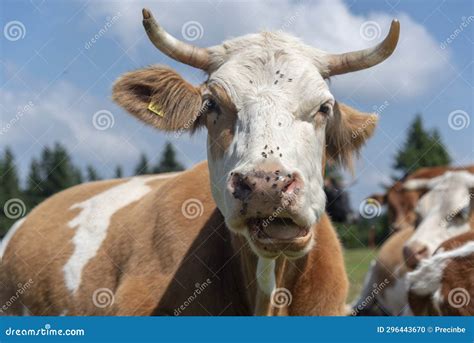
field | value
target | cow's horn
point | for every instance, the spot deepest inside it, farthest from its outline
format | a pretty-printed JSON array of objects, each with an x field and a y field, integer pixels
[
  {"x": 174, "y": 48},
  {"x": 362, "y": 59}
]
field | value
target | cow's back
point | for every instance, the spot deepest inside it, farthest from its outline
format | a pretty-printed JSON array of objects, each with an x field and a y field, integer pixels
[{"x": 75, "y": 243}]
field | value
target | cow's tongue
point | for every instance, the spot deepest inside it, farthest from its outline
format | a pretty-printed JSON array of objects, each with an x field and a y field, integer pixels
[{"x": 283, "y": 229}]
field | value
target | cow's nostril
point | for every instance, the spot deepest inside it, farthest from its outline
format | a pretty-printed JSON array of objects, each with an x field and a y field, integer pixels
[
  {"x": 413, "y": 255},
  {"x": 241, "y": 186},
  {"x": 292, "y": 183}
]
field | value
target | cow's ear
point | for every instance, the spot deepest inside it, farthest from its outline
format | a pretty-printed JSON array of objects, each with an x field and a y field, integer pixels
[
  {"x": 347, "y": 132},
  {"x": 160, "y": 97}
]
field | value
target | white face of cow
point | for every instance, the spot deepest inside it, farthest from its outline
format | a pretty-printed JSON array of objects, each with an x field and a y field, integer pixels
[
  {"x": 444, "y": 212},
  {"x": 271, "y": 120},
  {"x": 267, "y": 174}
]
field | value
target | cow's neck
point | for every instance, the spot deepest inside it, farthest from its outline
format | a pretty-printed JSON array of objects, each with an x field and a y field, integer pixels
[
  {"x": 259, "y": 291},
  {"x": 286, "y": 273}
]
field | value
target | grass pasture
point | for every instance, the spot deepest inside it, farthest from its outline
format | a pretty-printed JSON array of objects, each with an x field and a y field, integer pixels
[{"x": 357, "y": 263}]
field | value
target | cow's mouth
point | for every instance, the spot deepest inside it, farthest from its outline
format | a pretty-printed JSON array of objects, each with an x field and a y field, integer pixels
[
  {"x": 278, "y": 235},
  {"x": 277, "y": 229}
]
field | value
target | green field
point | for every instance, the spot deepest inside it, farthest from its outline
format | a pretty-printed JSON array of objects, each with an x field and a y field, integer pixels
[{"x": 357, "y": 264}]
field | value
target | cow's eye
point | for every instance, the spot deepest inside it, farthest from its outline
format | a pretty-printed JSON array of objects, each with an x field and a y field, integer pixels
[
  {"x": 210, "y": 105},
  {"x": 325, "y": 109}
]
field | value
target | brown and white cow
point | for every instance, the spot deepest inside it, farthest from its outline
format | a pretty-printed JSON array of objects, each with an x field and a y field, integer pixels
[
  {"x": 401, "y": 202},
  {"x": 258, "y": 238},
  {"x": 444, "y": 283},
  {"x": 446, "y": 210},
  {"x": 384, "y": 291}
]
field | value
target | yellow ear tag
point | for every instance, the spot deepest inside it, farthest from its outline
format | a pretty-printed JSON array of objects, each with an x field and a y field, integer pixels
[{"x": 155, "y": 108}]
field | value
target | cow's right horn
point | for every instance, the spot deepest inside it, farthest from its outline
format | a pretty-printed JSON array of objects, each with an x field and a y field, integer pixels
[{"x": 174, "y": 48}]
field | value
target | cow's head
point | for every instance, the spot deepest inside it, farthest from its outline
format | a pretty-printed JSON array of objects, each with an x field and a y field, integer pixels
[
  {"x": 445, "y": 211},
  {"x": 271, "y": 120},
  {"x": 400, "y": 204}
]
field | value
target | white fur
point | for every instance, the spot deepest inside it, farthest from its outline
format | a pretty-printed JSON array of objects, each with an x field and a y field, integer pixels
[
  {"x": 9, "y": 235},
  {"x": 92, "y": 222},
  {"x": 448, "y": 194},
  {"x": 248, "y": 73},
  {"x": 266, "y": 275},
  {"x": 426, "y": 279},
  {"x": 394, "y": 297}
]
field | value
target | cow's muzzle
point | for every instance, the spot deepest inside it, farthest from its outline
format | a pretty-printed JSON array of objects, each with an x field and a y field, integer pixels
[{"x": 269, "y": 200}]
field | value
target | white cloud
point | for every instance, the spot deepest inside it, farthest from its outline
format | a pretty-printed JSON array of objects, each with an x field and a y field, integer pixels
[
  {"x": 417, "y": 64},
  {"x": 63, "y": 113}
]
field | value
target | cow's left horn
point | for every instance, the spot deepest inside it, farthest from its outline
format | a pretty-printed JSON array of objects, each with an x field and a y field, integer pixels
[
  {"x": 174, "y": 48},
  {"x": 362, "y": 59}
]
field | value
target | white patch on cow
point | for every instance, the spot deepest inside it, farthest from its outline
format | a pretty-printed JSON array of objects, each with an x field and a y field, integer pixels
[
  {"x": 93, "y": 220},
  {"x": 266, "y": 275},
  {"x": 426, "y": 279},
  {"x": 275, "y": 83},
  {"x": 9, "y": 235}
]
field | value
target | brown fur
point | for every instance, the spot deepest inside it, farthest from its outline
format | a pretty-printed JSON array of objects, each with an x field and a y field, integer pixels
[
  {"x": 347, "y": 132},
  {"x": 221, "y": 126},
  {"x": 153, "y": 257},
  {"x": 179, "y": 101}
]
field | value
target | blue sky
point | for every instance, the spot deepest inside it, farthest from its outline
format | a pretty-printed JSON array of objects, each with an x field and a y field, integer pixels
[{"x": 49, "y": 64}]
